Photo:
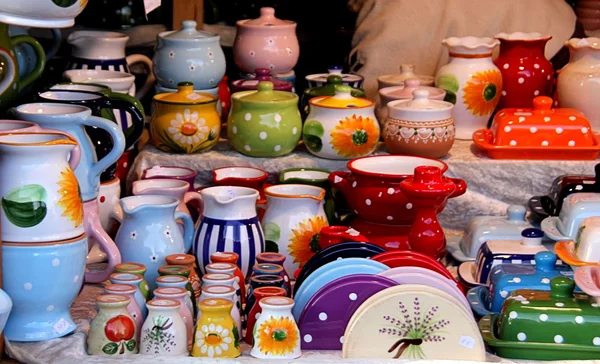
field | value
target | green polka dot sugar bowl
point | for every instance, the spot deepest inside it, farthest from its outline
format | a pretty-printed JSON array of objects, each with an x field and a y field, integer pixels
[{"x": 263, "y": 122}]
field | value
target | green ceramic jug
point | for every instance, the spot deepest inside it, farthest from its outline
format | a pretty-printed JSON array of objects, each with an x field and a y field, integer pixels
[{"x": 10, "y": 84}]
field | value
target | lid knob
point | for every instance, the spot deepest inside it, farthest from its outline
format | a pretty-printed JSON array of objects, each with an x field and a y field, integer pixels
[
  {"x": 263, "y": 74},
  {"x": 561, "y": 287},
  {"x": 545, "y": 261},
  {"x": 412, "y": 83},
  {"x": 185, "y": 86},
  {"x": 532, "y": 237},
  {"x": 267, "y": 13},
  {"x": 407, "y": 68},
  {"x": 265, "y": 86},
  {"x": 427, "y": 174},
  {"x": 334, "y": 70},
  {"x": 343, "y": 89},
  {"x": 516, "y": 213},
  {"x": 188, "y": 25},
  {"x": 421, "y": 95},
  {"x": 542, "y": 103},
  {"x": 334, "y": 79}
]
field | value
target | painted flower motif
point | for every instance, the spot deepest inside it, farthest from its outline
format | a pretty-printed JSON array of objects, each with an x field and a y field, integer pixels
[
  {"x": 168, "y": 233},
  {"x": 211, "y": 54},
  {"x": 304, "y": 239},
  {"x": 252, "y": 53},
  {"x": 213, "y": 340},
  {"x": 188, "y": 128},
  {"x": 277, "y": 336},
  {"x": 482, "y": 92},
  {"x": 354, "y": 136},
  {"x": 172, "y": 54},
  {"x": 133, "y": 235},
  {"x": 70, "y": 199},
  {"x": 154, "y": 257},
  {"x": 271, "y": 66},
  {"x": 192, "y": 67}
]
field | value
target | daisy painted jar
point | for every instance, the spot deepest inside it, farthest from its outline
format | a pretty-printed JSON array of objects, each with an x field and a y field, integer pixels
[
  {"x": 185, "y": 121},
  {"x": 216, "y": 334},
  {"x": 276, "y": 335},
  {"x": 472, "y": 82},
  {"x": 341, "y": 126}
]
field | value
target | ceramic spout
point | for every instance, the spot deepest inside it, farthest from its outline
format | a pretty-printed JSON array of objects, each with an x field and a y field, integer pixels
[{"x": 229, "y": 202}]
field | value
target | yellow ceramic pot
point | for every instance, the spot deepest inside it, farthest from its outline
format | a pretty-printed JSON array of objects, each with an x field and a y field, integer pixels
[
  {"x": 216, "y": 333},
  {"x": 185, "y": 121}
]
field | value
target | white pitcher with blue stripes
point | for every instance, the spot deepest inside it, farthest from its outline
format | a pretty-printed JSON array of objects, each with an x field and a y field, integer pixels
[{"x": 229, "y": 224}]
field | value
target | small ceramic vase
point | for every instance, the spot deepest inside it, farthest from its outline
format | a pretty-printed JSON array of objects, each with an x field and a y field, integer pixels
[
  {"x": 172, "y": 188},
  {"x": 171, "y": 172},
  {"x": 179, "y": 295},
  {"x": 261, "y": 269},
  {"x": 389, "y": 94},
  {"x": 113, "y": 331},
  {"x": 472, "y": 82},
  {"x": 128, "y": 290},
  {"x": 188, "y": 55},
  {"x": 134, "y": 280},
  {"x": 223, "y": 279},
  {"x": 179, "y": 282},
  {"x": 262, "y": 74},
  {"x": 229, "y": 268},
  {"x": 341, "y": 126},
  {"x": 327, "y": 89},
  {"x": 266, "y": 42},
  {"x": 276, "y": 335},
  {"x": 164, "y": 331},
  {"x": 254, "y": 314},
  {"x": 229, "y": 257},
  {"x": 264, "y": 123},
  {"x": 407, "y": 71},
  {"x": 225, "y": 292},
  {"x": 136, "y": 268},
  {"x": 182, "y": 271},
  {"x": 257, "y": 282},
  {"x": 278, "y": 259},
  {"x": 526, "y": 72},
  {"x": 216, "y": 332},
  {"x": 188, "y": 261},
  {"x": 185, "y": 122},
  {"x": 419, "y": 127}
]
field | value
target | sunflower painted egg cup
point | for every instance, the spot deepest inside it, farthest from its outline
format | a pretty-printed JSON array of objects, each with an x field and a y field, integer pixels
[
  {"x": 263, "y": 122},
  {"x": 185, "y": 122},
  {"x": 341, "y": 126}
]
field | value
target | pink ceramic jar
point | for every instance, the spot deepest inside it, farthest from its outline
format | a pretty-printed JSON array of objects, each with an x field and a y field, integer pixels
[{"x": 266, "y": 42}]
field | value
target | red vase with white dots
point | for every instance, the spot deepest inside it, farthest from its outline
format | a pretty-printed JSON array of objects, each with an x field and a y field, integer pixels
[{"x": 526, "y": 72}]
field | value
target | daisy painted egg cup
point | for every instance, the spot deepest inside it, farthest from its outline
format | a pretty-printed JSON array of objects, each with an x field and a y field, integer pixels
[
  {"x": 185, "y": 122},
  {"x": 341, "y": 126},
  {"x": 216, "y": 333}
]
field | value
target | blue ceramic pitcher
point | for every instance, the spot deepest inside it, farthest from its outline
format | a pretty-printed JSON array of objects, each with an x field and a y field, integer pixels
[{"x": 72, "y": 119}]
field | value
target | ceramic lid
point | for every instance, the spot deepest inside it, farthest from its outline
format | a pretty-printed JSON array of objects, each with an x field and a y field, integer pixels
[
  {"x": 265, "y": 94},
  {"x": 420, "y": 108},
  {"x": 185, "y": 95},
  {"x": 188, "y": 32},
  {"x": 575, "y": 209},
  {"x": 262, "y": 74},
  {"x": 267, "y": 20},
  {"x": 342, "y": 99},
  {"x": 406, "y": 91},
  {"x": 328, "y": 89},
  {"x": 407, "y": 71},
  {"x": 334, "y": 70}
]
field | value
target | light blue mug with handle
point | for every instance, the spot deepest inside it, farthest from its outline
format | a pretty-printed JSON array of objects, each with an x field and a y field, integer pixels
[{"x": 72, "y": 120}]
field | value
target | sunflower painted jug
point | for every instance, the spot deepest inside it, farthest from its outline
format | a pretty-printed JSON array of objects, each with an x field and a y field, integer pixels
[
  {"x": 341, "y": 126},
  {"x": 472, "y": 82},
  {"x": 216, "y": 332}
]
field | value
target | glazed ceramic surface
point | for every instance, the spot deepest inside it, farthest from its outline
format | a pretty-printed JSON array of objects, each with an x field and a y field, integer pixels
[
  {"x": 260, "y": 281},
  {"x": 472, "y": 82},
  {"x": 113, "y": 330},
  {"x": 583, "y": 250},
  {"x": 225, "y": 292},
  {"x": 32, "y": 273},
  {"x": 128, "y": 290},
  {"x": 229, "y": 270},
  {"x": 321, "y": 79},
  {"x": 276, "y": 335},
  {"x": 229, "y": 257},
  {"x": 136, "y": 268},
  {"x": 171, "y": 172},
  {"x": 216, "y": 334},
  {"x": 164, "y": 331},
  {"x": 278, "y": 260},
  {"x": 329, "y": 272},
  {"x": 483, "y": 228},
  {"x": 408, "y": 258},
  {"x": 149, "y": 232},
  {"x": 326, "y": 88},
  {"x": 266, "y": 42},
  {"x": 135, "y": 280},
  {"x": 314, "y": 177},
  {"x": 188, "y": 261},
  {"x": 178, "y": 295},
  {"x": 108, "y": 197},
  {"x": 222, "y": 104},
  {"x": 243, "y": 177},
  {"x": 294, "y": 217},
  {"x": 179, "y": 282},
  {"x": 587, "y": 279},
  {"x": 182, "y": 271},
  {"x": 5, "y": 308},
  {"x": 262, "y": 74},
  {"x": 435, "y": 327},
  {"x": 42, "y": 13},
  {"x": 576, "y": 83},
  {"x": 526, "y": 73},
  {"x": 171, "y": 188},
  {"x": 576, "y": 208},
  {"x": 264, "y": 123},
  {"x": 229, "y": 210},
  {"x": 404, "y": 92},
  {"x": 407, "y": 71},
  {"x": 189, "y": 55},
  {"x": 256, "y": 309},
  {"x": 341, "y": 126}
]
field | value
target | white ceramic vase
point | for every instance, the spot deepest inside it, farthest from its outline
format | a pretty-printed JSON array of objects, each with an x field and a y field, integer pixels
[
  {"x": 164, "y": 332},
  {"x": 276, "y": 335}
]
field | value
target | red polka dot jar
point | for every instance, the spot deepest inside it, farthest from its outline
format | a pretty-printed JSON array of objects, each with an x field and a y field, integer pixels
[
  {"x": 372, "y": 187},
  {"x": 526, "y": 72}
]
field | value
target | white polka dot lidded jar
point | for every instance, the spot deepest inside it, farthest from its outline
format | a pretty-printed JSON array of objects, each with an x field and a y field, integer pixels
[
  {"x": 264, "y": 123},
  {"x": 545, "y": 325}
]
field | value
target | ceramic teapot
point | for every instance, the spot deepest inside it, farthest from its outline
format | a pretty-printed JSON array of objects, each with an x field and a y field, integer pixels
[
  {"x": 42, "y": 13},
  {"x": 189, "y": 55}
]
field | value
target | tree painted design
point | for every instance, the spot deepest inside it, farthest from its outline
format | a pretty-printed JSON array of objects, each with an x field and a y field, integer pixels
[
  {"x": 159, "y": 338},
  {"x": 414, "y": 330}
]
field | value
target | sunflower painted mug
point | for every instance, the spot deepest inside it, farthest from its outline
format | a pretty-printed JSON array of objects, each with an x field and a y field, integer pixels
[{"x": 341, "y": 126}]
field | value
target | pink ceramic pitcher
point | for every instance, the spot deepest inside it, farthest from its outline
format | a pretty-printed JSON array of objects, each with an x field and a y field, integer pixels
[{"x": 169, "y": 187}]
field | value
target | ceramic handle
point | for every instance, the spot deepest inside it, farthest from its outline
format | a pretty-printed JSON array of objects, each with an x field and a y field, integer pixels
[
  {"x": 339, "y": 180},
  {"x": 117, "y": 213},
  {"x": 118, "y": 139},
  {"x": 584, "y": 278},
  {"x": 95, "y": 230},
  {"x": 40, "y": 59},
  {"x": 194, "y": 196},
  {"x": 134, "y": 132},
  {"x": 461, "y": 187},
  {"x": 188, "y": 229},
  {"x": 140, "y": 58},
  {"x": 480, "y": 301}
]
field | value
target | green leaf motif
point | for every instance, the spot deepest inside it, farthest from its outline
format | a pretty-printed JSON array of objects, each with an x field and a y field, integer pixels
[
  {"x": 450, "y": 97},
  {"x": 314, "y": 127},
  {"x": 28, "y": 193},
  {"x": 272, "y": 231},
  {"x": 313, "y": 143},
  {"x": 448, "y": 82},
  {"x": 110, "y": 348},
  {"x": 271, "y": 247},
  {"x": 25, "y": 206},
  {"x": 236, "y": 336},
  {"x": 64, "y": 3},
  {"x": 131, "y": 345}
]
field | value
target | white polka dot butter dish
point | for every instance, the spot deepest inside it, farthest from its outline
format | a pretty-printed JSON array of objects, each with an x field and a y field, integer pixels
[
  {"x": 545, "y": 325},
  {"x": 542, "y": 133}
]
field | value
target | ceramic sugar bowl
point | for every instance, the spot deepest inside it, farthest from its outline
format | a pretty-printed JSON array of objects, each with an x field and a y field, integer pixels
[
  {"x": 185, "y": 122},
  {"x": 264, "y": 123},
  {"x": 420, "y": 127},
  {"x": 341, "y": 126},
  {"x": 404, "y": 92},
  {"x": 407, "y": 71},
  {"x": 189, "y": 55}
]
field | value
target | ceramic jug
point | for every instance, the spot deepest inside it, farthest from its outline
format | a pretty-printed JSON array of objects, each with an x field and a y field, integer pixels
[
  {"x": 472, "y": 82},
  {"x": 293, "y": 220},
  {"x": 228, "y": 208},
  {"x": 225, "y": 292},
  {"x": 11, "y": 83},
  {"x": 149, "y": 232},
  {"x": 577, "y": 82},
  {"x": 276, "y": 335},
  {"x": 106, "y": 51},
  {"x": 72, "y": 119},
  {"x": 113, "y": 331},
  {"x": 216, "y": 333},
  {"x": 128, "y": 290},
  {"x": 526, "y": 72},
  {"x": 26, "y": 56},
  {"x": 179, "y": 295},
  {"x": 40, "y": 198},
  {"x": 168, "y": 187},
  {"x": 164, "y": 332},
  {"x": 42, "y": 13}
]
